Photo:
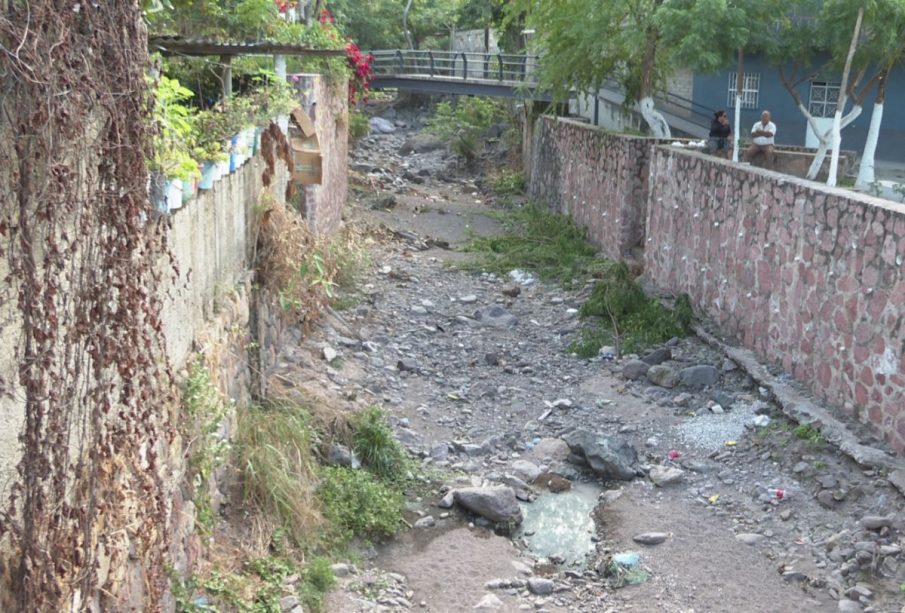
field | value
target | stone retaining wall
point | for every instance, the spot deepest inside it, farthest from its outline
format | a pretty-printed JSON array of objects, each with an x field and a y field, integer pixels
[
  {"x": 810, "y": 278},
  {"x": 597, "y": 177}
]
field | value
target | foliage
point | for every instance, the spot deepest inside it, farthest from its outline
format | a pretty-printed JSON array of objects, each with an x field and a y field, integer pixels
[
  {"x": 361, "y": 73},
  {"x": 358, "y": 125},
  {"x": 507, "y": 182},
  {"x": 358, "y": 504},
  {"x": 535, "y": 239},
  {"x": 317, "y": 579},
  {"x": 628, "y": 318},
  {"x": 173, "y": 138},
  {"x": 810, "y": 435},
  {"x": 205, "y": 410},
  {"x": 463, "y": 123},
  {"x": 273, "y": 453},
  {"x": 375, "y": 444}
]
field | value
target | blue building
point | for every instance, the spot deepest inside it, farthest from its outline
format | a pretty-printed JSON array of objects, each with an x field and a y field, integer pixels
[{"x": 764, "y": 90}]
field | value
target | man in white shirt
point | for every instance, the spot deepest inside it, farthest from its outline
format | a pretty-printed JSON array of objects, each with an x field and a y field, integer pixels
[{"x": 763, "y": 133}]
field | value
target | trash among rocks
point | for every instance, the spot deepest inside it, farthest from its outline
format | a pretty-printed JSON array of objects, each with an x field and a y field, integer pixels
[
  {"x": 779, "y": 493},
  {"x": 761, "y": 421},
  {"x": 561, "y": 403},
  {"x": 713, "y": 499},
  {"x": 607, "y": 353},
  {"x": 673, "y": 454},
  {"x": 623, "y": 569},
  {"x": 521, "y": 277},
  {"x": 329, "y": 353},
  {"x": 717, "y": 409},
  {"x": 650, "y": 538}
]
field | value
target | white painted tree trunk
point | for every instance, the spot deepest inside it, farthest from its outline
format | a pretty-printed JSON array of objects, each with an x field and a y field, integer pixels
[
  {"x": 840, "y": 105},
  {"x": 658, "y": 126},
  {"x": 824, "y": 138},
  {"x": 736, "y": 130},
  {"x": 866, "y": 170}
]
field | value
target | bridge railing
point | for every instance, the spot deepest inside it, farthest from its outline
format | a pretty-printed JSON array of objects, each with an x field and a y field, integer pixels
[{"x": 501, "y": 67}]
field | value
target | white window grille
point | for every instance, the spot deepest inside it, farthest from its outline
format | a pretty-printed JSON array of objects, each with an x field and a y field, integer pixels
[
  {"x": 750, "y": 90},
  {"x": 824, "y": 96}
]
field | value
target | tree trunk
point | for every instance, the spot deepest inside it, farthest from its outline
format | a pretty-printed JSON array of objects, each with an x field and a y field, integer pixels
[
  {"x": 840, "y": 104},
  {"x": 824, "y": 138},
  {"x": 866, "y": 169},
  {"x": 739, "y": 84},
  {"x": 655, "y": 121},
  {"x": 405, "y": 24}
]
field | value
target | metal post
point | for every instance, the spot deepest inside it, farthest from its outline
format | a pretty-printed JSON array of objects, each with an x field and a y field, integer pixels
[
  {"x": 401, "y": 61},
  {"x": 464, "y": 66},
  {"x": 279, "y": 66},
  {"x": 430, "y": 56},
  {"x": 597, "y": 106},
  {"x": 499, "y": 57}
]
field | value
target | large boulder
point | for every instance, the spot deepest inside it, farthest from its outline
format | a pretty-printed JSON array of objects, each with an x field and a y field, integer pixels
[
  {"x": 611, "y": 457},
  {"x": 699, "y": 376},
  {"x": 421, "y": 143},
  {"x": 497, "y": 504},
  {"x": 663, "y": 375},
  {"x": 379, "y": 124}
]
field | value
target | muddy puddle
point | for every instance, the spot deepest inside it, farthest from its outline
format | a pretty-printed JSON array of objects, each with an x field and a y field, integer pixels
[{"x": 561, "y": 525}]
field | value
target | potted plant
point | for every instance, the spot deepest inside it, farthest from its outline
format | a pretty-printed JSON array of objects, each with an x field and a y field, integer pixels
[
  {"x": 172, "y": 162},
  {"x": 210, "y": 132}
]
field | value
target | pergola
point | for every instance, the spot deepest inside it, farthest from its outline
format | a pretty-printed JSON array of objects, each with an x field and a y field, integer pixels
[{"x": 226, "y": 50}]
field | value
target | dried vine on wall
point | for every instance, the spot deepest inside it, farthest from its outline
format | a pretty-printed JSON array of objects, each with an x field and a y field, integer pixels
[{"x": 80, "y": 263}]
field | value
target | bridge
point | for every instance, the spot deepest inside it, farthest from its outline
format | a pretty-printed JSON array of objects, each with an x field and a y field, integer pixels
[
  {"x": 511, "y": 75},
  {"x": 506, "y": 75}
]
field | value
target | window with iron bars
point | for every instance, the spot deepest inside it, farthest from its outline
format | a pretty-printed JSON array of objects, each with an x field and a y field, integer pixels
[
  {"x": 824, "y": 95},
  {"x": 750, "y": 90}
]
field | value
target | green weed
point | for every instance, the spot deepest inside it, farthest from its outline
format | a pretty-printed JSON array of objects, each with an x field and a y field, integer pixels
[
  {"x": 358, "y": 125},
  {"x": 627, "y": 318},
  {"x": 204, "y": 409},
  {"x": 462, "y": 124},
  {"x": 507, "y": 183},
  {"x": 375, "y": 444},
  {"x": 810, "y": 435},
  {"x": 535, "y": 239},
  {"x": 358, "y": 504},
  {"x": 317, "y": 579},
  {"x": 278, "y": 469}
]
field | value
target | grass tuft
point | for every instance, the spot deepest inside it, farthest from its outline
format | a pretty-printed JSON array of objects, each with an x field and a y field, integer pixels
[
  {"x": 627, "y": 318},
  {"x": 358, "y": 504},
  {"x": 550, "y": 245},
  {"x": 375, "y": 444},
  {"x": 278, "y": 469}
]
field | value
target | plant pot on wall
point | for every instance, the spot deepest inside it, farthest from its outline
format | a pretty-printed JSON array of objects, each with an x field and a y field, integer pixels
[
  {"x": 174, "y": 194},
  {"x": 209, "y": 174},
  {"x": 233, "y": 149},
  {"x": 188, "y": 189},
  {"x": 248, "y": 139},
  {"x": 157, "y": 190}
]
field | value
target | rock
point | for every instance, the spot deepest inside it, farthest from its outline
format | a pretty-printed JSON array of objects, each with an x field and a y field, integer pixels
[
  {"x": 849, "y": 606},
  {"x": 522, "y": 568},
  {"x": 562, "y": 403},
  {"x": 489, "y": 601},
  {"x": 426, "y": 522},
  {"x": 611, "y": 457},
  {"x": 749, "y": 538},
  {"x": 800, "y": 467},
  {"x": 876, "y": 522},
  {"x": 717, "y": 409},
  {"x": 379, "y": 124},
  {"x": 439, "y": 452},
  {"x": 492, "y": 359},
  {"x": 650, "y": 538},
  {"x": 512, "y": 291},
  {"x": 329, "y": 353},
  {"x": 699, "y": 376},
  {"x": 658, "y": 356},
  {"x": 448, "y": 500},
  {"x": 541, "y": 586},
  {"x": 287, "y": 603},
  {"x": 339, "y": 455},
  {"x": 553, "y": 482},
  {"x": 495, "y": 316},
  {"x": 635, "y": 369},
  {"x": 422, "y": 142},
  {"x": 468, "y": 299},
  {"x": 496, "y": 503},
  {"x": 341, "y": 570},
  {"x": 407, "y": 365},
  {"x": 826, "y": 499},
  {"x": 384, "y": 203},
  {"x": 663, "y": 375},
  {"x": 525, "y": 470},
  {"x": 661, "y": 476}
]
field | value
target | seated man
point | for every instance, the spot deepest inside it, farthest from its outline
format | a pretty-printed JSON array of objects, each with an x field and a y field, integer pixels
[{"x": 763, "y": 132}]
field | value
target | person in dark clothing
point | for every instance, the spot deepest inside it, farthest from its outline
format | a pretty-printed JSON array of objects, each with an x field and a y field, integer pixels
[{"x": 720, "y": 131}]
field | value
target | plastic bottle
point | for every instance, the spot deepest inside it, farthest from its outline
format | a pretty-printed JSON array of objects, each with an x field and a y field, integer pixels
[{"x": 780, "y": 493}]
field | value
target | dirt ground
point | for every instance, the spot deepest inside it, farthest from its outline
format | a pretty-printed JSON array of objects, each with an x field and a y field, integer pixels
[{"x": 731, "y": 545}]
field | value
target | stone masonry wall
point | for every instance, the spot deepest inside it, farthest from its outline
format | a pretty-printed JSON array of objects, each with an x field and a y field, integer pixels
[
  {"x": 597, "y": 177},
  {"x": 809, "y": 277}
]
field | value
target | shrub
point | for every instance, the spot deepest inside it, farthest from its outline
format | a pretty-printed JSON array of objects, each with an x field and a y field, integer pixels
[
  {"x": 317, "y": 579},
  {"x": 358, "y": 125},
  {"x": 463, "y": 123},
  {"x": 376, "y": 446},
  {"x": 357, "y": 504}
]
